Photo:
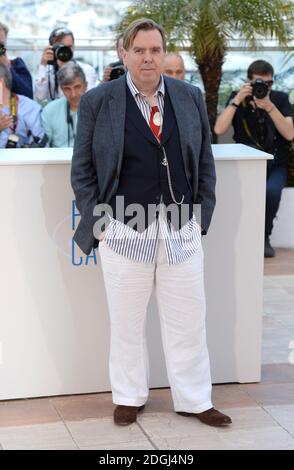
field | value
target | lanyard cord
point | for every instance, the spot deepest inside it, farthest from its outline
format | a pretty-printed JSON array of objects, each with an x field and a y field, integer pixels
[
  {"x": 248, "y": 132},
  {"x": 70, "y": 124}
]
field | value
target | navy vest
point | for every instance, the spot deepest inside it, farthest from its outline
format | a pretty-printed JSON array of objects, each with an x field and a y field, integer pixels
[{"x": 143, "y": 178}]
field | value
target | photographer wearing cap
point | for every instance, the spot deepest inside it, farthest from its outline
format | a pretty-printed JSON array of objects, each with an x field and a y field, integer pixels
[
  {"x": 59, "y": 117},
  {"x": 262, "y": 118},
  {"x": 59, "y": 52},
  {"x": 115, "y": 69},
  {"x": 20, "y": 117},
  {"x": 21, "y": 77}
]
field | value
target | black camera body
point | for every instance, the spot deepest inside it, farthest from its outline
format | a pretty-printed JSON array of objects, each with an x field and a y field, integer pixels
[
  {"x": 12, "y": 141},
  {"x": 117, "y": 72},
  {"x": 38, "y": 142},
  {"x": 61, "y": 52},
  {"x": 2, "y": 49},
  {"x": 260, "y": 88}
]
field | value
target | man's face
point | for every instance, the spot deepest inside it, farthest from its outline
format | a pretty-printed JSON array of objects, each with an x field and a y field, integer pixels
[
  {"x": 173, "y": 67},
  {"x": 65, "y": 40},
  {"x": 2, "y": 37},
  {"x": 120, "y": 49},
  {"x": 74, "y": 91},
  {"x": 144, "y": 58}
]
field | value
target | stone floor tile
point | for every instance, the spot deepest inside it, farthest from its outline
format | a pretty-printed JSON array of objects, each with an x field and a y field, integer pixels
[
  {"x": 270, "y": 394},
  {"x": 138, "y": 445},
  {"x": 211, "y": 441},
  {"x": 100, "y": 432},
  {"x": 80, "y": 407},
  {"x": 171, "y": 425},
  {"x": 277, "y": 373},
  {"x": 284, "y": 415},
  {"x": 27, "y": 412},
  {"x": 51, "y": 436},
  {"x": 274, "y": 438},
  {"x": 279, "y": 306},
  {"x": 230, "y": 396}
]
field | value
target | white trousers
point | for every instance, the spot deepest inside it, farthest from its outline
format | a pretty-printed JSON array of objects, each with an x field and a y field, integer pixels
[{"x": 181, "y": 305}]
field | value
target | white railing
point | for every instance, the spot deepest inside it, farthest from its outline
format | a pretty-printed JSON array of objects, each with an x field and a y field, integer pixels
[{"x": 99, "y": 51}]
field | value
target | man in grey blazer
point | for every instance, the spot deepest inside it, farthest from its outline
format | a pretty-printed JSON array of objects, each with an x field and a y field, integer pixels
[{"x": 144, "y": 139}]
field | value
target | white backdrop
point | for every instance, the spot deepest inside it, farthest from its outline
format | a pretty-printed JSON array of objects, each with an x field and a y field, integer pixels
[{"x": 54, "y": 328}]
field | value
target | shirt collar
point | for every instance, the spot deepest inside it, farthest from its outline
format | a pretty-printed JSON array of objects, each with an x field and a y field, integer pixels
[{"x": 135, "y": 92}]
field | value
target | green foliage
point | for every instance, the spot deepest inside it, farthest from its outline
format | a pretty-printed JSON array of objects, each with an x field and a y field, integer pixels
[
  {"x": 224, "y": 93},
  {"x": 214, "y": 22},
  {"x": 165, "y": 12}
]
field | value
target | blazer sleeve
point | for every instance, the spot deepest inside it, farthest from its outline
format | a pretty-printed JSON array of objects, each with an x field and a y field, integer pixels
[
  {"x": 206, "y": 170},
  {"x": 83, "y": 176}
]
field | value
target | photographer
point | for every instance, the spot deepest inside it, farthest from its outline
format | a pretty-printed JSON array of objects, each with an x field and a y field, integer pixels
[
  {"x": 59, "y": 52},
  {"x": 21, "y": 77},
  {"x": 20, "y": 117},
  {"x": 173, "y": 66},
  {"x": 262, "y": 118},
  {"x": 115, "y": 69},
  {"x": 59, "y": 117}
]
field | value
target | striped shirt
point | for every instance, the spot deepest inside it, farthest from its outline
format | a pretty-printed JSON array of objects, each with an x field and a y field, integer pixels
[{"x": 142, "y": 246}]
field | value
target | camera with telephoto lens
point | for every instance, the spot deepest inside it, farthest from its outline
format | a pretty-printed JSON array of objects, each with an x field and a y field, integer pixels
[
  {"x": 61, "y": 52},
  {"x": 117, "y": 72},
  {"x": 2, "y": 49},
  {"x": 259, "y": 88}
]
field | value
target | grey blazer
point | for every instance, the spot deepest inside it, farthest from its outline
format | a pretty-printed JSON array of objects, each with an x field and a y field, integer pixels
[{"x": 99, "y": 144}]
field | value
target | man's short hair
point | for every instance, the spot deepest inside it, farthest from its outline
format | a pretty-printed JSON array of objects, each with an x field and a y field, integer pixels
[
  {"x": 4, "y": 28},
  {"x": 67, "y": 74},
  {"x": 260, "y": 67},
  {"x": 58, "y": 34},
  {"x": 118, "y": 38},
  {"x": 6, "y": 75},
  {"x": 144, "y": 24}
]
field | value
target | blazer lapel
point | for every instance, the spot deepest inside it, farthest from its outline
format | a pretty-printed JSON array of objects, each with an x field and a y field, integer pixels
[
  {"x": 178, "y": 99},
  {"x": 168, "y": 120},
  {"x": 117, "y": 110}
]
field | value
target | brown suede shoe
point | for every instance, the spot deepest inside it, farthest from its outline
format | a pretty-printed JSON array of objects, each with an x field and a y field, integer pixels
[
  {"x": 212, "y": 417},
  {"x": 124, "y": 415}
]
